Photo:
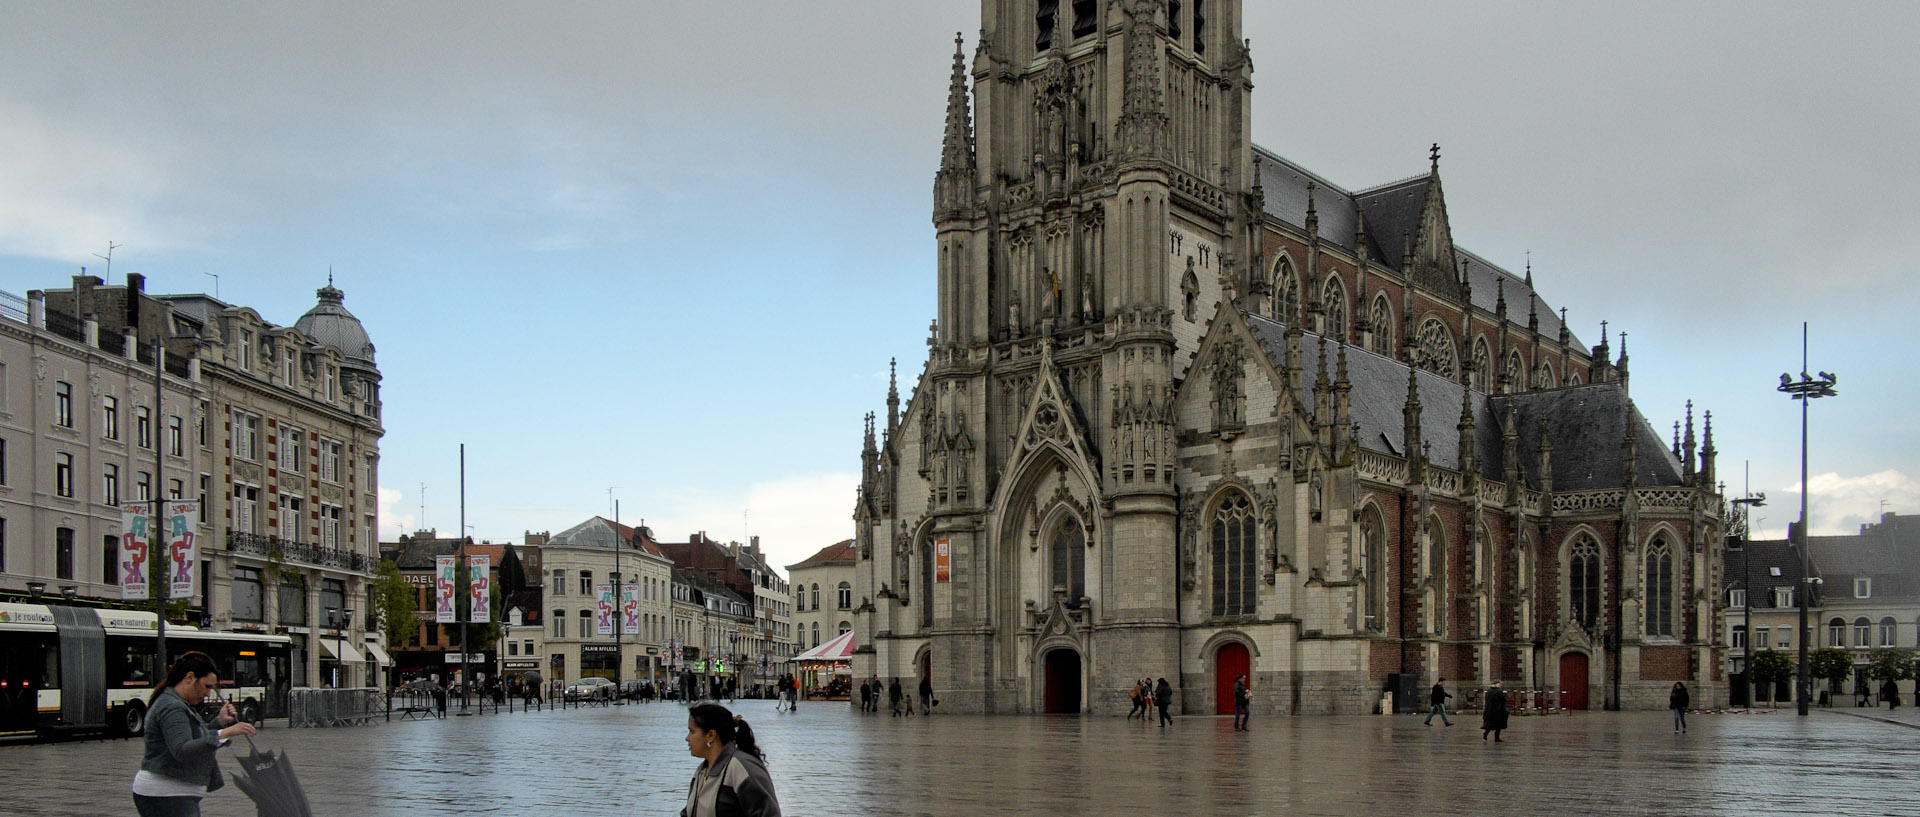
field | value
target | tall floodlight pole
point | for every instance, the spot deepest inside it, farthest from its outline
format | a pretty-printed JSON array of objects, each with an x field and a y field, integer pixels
[
  {"x": 1805, "y": 390},
  {"x": 619, "y": 603},
  {"x": 460, "y": 610},
  {"x": 159, "y": 509}
]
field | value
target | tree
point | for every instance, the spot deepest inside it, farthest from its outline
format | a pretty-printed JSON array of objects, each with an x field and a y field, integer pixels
[
  {"x": 1832, "y": 665},
  {"x": 1771, "y": 668},
  {"x": 1890, "y": 664},
  {"x": 396, "y": 602}
]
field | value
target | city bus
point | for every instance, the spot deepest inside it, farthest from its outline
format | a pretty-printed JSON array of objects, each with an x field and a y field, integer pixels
[{"x": 73, "y": 670}]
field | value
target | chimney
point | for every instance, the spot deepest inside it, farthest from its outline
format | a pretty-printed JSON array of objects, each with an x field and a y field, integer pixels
[{"x": 755, "y": 540}]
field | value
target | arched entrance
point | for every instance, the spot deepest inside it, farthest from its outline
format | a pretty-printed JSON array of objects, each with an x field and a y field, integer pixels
[
  {"x": 1229, "y": 662},
  {"x": 1573, "y": 680},
  {"x": 1063, "y": 681}
]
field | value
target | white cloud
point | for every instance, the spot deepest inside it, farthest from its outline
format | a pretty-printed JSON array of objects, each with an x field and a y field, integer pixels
[
  {"x": 1839, "y": 505},
  {"x": 393, "y": 523},
  {"x": 793, "y": 516}
]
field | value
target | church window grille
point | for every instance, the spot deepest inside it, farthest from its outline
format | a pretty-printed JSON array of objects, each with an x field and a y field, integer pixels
[
  {"x": 1482, "y": 367},
  {"x": 1043, "y": 22},
  {"x": 1381, "y": 320},
  {"x": 1199, "y": 27},
  {"x": 1173, "y": 19},
  {"x": 1543, "y": 376},
  {"x": 1069, "y": 554},
  {"x": 1437, "y": 352},
  {"x": 1437, "y": 574},
  {"x": 1660, "y": 589},
  {"x": 1086, "y": 17},
  {"x": 1372, "y": 569},
  {"x": 1286, "y": 292},
  {"x": 1512, "y": 371},
  {"x": 1233, "y": 556},
  {"x": 1583, "y": 582},
  {"x": 1333, "y": 302}
]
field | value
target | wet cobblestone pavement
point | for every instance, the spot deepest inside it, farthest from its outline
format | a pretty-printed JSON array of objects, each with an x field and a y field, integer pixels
[{"x": 830, "y": 760}]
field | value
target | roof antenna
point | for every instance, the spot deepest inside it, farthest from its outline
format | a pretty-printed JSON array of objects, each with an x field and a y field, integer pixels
[
  {"x": 109, "y": 257},
  {"x": 216, "y": 284}
]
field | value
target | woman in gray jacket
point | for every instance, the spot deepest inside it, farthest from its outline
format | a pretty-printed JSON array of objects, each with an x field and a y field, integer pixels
[
  {"x": 179, "y": 767},
  {"x": 733, "y": 782}
]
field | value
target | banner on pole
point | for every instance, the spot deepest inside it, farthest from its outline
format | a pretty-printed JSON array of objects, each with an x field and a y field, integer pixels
[
  {"x": 444, "y": 569},
  {"x": 942, "y": 561},
  {"x": 479, "y": 583},
  {"x": 604, "y": 621},
  {"x": 136, "y": 541},
  {"x": 630, "y": 609},
  {"x": 183, "y": 547}
]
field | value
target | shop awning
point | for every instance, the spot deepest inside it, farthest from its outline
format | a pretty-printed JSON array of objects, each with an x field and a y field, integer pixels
[
  {"x": 333, "y": 648},
  {"x": 839, "y": 649},
  {"x": 379, "y": 655}
]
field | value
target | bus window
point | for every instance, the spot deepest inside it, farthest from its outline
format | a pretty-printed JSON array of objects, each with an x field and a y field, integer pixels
[
  {"x": 50, "y": 671},
  {"x": 132, "y": 665},
  {"x": 249, "y": 671}
]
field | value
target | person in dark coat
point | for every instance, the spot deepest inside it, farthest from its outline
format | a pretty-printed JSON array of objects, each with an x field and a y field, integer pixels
[
  {"x": 1437, "y": 699},
  {"x": 866, "y": 697},
  {"x": 1890, "y": 692},
  {"x": 1139, "y": 697},
  {"x": 1493, "y": 721},
  {"x": 178, "y": 767},
  {"x": 1163, "y": 699},
  {"x": 732, "y": 780},
  {"x": 1242, "y": 704},
  {"x": 926, "y": 695},
  {"x": 893, "y": 698},
  {"x": 1677, "y": 701}
]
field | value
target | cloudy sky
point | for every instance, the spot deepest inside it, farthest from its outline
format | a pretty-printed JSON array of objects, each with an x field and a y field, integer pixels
[{"x": 667, "y": 248}]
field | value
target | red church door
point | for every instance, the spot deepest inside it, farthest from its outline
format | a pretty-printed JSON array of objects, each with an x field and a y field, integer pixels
[
  {"x": 1573, "y": 680},
  {"x": 1229, "y": 663},
  {"x": 1063, "y": 681}
]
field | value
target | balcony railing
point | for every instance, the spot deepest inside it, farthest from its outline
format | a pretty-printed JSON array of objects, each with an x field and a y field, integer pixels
[{"x": 296, "y": 552}]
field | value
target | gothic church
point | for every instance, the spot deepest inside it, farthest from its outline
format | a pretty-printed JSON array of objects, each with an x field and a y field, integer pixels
[{"x": 1190, "y": 411}]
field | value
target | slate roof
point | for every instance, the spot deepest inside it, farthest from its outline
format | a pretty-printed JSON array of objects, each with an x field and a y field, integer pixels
[
  {"x": 838, "y": 552},
  {"x": 1888, "y": 553},
  {"x": 1766, "y": 555},
  {"x": 601, "y": 532},
  {"x": 1392, "y": 212},
  {"x": 1586, "y": 423},
  {"x": 418, "y": 554}
]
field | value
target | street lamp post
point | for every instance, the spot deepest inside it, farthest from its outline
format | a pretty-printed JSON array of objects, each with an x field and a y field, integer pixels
[
  {"x": 339, "y": 638},
  {"x": 1749, "y": 502},
  {"x": 1805, "y": 390}
]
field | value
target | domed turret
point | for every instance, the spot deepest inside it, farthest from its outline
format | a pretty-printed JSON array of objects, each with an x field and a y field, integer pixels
[{"x": 330, "y": 324}]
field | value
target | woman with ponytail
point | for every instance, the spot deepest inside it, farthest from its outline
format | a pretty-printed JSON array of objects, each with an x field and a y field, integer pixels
[
  {"x": 733, "y": 781},
  {"x": 179, "y": 767}
]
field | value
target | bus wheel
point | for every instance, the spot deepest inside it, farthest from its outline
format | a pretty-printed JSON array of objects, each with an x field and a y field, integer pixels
[
  {"x": 133, "y": 719},
  {"x": 250, "y": 712}
]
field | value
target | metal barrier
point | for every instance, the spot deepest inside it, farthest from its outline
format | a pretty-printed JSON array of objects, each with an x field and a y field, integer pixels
[{"x": 334, "y": 707}]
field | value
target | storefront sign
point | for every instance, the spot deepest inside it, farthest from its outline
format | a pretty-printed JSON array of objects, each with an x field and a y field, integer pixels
[
  {"x": 942, "y": 561},
  {"x": 598, "y": 648},
  {"x": 522, "y": 664}
]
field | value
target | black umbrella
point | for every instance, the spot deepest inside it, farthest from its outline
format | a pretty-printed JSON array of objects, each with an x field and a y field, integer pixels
[{"x": 268, "y": 778}]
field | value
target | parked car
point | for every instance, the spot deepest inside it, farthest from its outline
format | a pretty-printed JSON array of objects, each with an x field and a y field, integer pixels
[{"x": 591, "y": 689}]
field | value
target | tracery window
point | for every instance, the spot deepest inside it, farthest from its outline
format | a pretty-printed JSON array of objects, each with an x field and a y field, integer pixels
[
  {"x": 1583, "y": 581},
  {"x": 1543, "y": 376},
  {"x": 1437, "y": 352},
  {"x": 1286, "y": 292},
  {"x": 1069, "y": 556},
  {"x": 1482, "y": 366},
  {"x": 1512, "y": 372},
  {"x": 1231, "y": 532},
  {"x": 1381, "y": 321},
  {"x": 1437, "y": 574},
  {"x": 1372, "y": 570},
  {"x": 1333, "y": 305},
  {"x": 1659, "y": 589}
]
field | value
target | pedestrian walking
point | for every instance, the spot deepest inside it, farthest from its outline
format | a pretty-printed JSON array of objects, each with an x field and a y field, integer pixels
[
  {"x": 1163, "y": 700},
  {"x": 1139, "y": 702},
  {"x": 893, "y": 698},
  {"x": 1493, "y": 720},
  {"x": 179, "y": 766},
  {"x": 732, "y": 779},
  {"x": 1890, "y": 692},
  {"x": 866, "y": 697},
  {"x": 1677, "y": 701},
  {"x": 926, "y": 695},
  {"x": 1437, "y": 699},
  {"x": 1242, "y": 704}
]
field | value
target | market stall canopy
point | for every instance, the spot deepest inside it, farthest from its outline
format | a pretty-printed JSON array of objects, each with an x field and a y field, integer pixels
[{"x": 839, "y": 649}]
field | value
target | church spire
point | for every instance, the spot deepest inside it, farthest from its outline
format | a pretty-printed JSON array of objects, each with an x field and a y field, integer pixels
[
  {"x": 953, "y": 184},
  {"x": 1687, "y": 448},
  {"x": 1143, "y": 117},
  {"x": 893, "y": 395}
]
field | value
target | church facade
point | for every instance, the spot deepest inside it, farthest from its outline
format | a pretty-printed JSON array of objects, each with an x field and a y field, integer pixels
[{"x": 1191, "y": 411}]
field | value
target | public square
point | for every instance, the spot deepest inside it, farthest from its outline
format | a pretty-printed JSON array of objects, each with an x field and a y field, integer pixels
[{"x": 829, "y": 760}]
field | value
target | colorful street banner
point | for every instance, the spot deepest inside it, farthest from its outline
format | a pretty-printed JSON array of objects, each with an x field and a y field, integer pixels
[
  {"x": 445, "y": 568},
  {"x": 479, "y": 583},
  {"x": 136, "y": 519},
  {"x": 604, "y": 621},
  {"x": 630, "y": 609},
  {"x": 183, "y": 547},
  {"x": 942, "y": 561}
]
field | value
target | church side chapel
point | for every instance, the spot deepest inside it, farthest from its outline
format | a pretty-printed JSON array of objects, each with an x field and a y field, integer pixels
[{"x": 1191, "y": 411}]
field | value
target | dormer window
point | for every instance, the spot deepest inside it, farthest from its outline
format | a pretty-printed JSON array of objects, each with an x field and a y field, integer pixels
[
  {"x": 1862, "y": 588},
  {"x": 328, "y": 382},
  {"x": 244, "y": 338},
  {"x": 289, "y": 364}
]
